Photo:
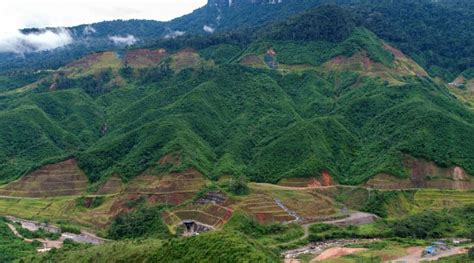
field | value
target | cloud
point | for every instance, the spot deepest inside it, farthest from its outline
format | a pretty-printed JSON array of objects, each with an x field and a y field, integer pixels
[
  {"x": 124, "y": 41},
  {"x": 17, "y": 42},
  {"x": 208, "y": 29},
  {"x": 174, "y": 34},
  {"x": 88, "y": 30}
]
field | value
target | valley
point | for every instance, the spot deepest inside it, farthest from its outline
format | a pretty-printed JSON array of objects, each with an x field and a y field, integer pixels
[{"x": 286, "y": 132}]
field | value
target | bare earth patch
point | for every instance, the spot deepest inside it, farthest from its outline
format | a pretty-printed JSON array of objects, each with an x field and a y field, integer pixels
[{"x": 336, "y": 252}]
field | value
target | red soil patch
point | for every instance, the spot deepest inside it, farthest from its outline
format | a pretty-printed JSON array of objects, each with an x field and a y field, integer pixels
[
  {"x": 261, "y": 217},
  {"x": 397, "y": 53},
  {"x": 326, "y": 179},
  {"x": 140, "y": 58},
  {"x": 61, "y": 179}
]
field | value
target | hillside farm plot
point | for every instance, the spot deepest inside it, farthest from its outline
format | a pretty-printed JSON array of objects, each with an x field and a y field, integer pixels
[
  {"x": 173, "y": 188},
  {"x": 272, "y": 204},
  {"x": 186, "y": 58},
  {"x": 142, "y": 58},
  {"x": 439, "y": 199},
  {"x": 92, "y": 64},
  {"x": 264, "y": 208},
  {"x": 61, "y": 179},
  {"x": 59, "y": 209}
]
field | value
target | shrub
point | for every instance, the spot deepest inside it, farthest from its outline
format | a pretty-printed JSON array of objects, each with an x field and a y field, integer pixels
[
  {"x": 238, "y": 185},
  {"x": 144, "y": 222}
]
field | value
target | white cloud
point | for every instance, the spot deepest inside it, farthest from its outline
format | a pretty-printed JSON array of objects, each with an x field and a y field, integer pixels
[
  {"x": 208, "y": 29},
  {"x": 88, "y": 30},
  {"x": 124, "y": 40},
  {"x": 18, "y": 42},
  {"x": 174, "y": 34}
]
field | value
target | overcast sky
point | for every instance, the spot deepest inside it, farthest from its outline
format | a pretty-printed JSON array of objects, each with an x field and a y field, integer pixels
[{"x": 17, "y": 14}]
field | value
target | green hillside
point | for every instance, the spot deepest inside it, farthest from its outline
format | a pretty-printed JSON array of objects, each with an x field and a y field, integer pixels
[
  {"x": 209, "y": 247},
  {"x": 346, "y": 104}
]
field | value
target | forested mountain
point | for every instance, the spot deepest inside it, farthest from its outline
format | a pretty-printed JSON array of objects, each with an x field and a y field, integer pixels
[
  {"x": 437, "y": 34},
  {"x": 247, "y": 131},
  {"x": 316, "y": 93}
]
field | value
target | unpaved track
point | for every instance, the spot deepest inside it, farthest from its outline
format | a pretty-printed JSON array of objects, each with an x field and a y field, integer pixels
[
  {"x": 355, "y": 218},
  {"x": 281, "y": 187},
  {"x": 415, "y": 255},
  {"x": 84, "y": 237}
]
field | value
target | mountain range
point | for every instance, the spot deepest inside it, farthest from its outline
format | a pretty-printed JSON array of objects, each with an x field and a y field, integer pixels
[{"x": 246, "y": 131}]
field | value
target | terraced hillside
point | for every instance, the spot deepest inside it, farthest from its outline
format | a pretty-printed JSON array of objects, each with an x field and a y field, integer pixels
[
  {"x": 443, "y": 199},
  {"x": 173, "y": 188},
  {"x": 61, "y": 179}
]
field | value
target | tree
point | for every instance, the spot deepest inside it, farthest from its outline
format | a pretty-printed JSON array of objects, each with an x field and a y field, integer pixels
[
  {"x": 238, "y": 185},
  {"x": 471, "y": 253}
]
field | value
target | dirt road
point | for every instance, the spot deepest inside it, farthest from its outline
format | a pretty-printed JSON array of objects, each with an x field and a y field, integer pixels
[
  {"x": 84, "y": 237},
  {"x": 415, "y": 255},
  {"x": 355, "y": 218}
]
